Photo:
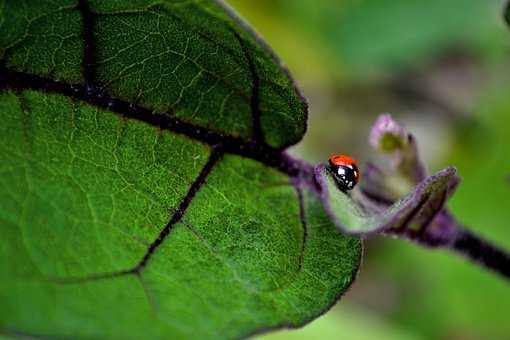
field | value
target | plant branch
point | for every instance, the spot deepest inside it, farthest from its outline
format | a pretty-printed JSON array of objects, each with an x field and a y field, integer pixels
[
  {"x": 461, "y": 241},
  {"x": 482, "y": 252}
]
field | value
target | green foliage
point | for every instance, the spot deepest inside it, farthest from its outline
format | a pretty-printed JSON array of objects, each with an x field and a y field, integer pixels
[
  {"x": 43, "y": 38},
  {"x": 87, "y": 192},
  {"x": 186, "y": 59}
]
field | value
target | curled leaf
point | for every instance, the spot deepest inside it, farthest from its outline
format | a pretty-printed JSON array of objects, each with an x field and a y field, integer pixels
[{"x": 359, "y": 215}]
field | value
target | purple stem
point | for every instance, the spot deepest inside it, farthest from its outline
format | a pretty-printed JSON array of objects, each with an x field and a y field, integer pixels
[
  {"x": 457, "y": 239},
  {"x": 482, "y": 252}
]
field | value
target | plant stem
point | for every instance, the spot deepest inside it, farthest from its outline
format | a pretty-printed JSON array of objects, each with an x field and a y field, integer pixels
[
  {"x": 482, "y": 252},
  {"x": 461, "y": 241}
]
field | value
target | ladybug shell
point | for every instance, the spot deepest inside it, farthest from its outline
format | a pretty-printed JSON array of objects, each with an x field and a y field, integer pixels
[{"x": 345, "y": 170}]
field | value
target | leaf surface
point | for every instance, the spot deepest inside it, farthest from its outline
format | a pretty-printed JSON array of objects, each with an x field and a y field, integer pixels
[
  {"x": 145, "y": 194},
  {"x": 186, "y": 59}
]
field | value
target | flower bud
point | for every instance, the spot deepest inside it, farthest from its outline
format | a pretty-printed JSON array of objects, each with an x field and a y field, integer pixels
[
  {"x": 390, "y": 138},
  {"x": 387, "y": 135}
]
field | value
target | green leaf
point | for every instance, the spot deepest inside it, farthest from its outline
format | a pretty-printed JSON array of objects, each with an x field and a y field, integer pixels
[
  {"x": 353, "y": 216},
  {"x": 133, "y": 207},
  {"x": 186, "y": 59}
]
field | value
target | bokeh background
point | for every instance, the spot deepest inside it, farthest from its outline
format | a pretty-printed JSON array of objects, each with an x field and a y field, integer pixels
[{"x": 443, "y": 69}]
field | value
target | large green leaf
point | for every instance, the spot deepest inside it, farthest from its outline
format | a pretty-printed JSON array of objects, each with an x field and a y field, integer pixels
[
  {"x": 144, "y": 194},
  {"x": 188, "y": 59}
]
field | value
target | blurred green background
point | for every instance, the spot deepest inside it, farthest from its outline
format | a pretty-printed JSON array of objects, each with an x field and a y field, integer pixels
[{"x": 443, "y": 69}]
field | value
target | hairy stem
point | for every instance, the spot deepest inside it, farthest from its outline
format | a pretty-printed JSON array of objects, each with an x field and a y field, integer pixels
[
  {"x": 482, "y": 252},
  {"x": 461, "y": 241}
]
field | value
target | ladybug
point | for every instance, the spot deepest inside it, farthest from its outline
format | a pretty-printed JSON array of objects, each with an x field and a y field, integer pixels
[{"x": 345, "y": 170}]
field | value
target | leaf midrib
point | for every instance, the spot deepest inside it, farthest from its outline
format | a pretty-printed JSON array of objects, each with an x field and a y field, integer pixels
[
  {"x": 93, "y": 94},
  {"x": 96, "y": 97}
]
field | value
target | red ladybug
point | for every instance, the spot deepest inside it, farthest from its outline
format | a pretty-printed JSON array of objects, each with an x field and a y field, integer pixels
[{"x": 345, "y": 170}]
